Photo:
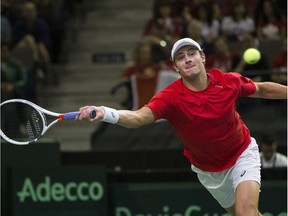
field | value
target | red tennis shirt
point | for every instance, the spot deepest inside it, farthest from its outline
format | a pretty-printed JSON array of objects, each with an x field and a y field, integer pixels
[{"x": 206, "y": 121}]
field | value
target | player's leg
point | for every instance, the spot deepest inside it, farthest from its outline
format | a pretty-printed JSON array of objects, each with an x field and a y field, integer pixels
[
  {"x": 238, "y": 186},
  {"x": 247, "y": 198},
  {"x": 246, "y": 182},
  {"x": 246, "y": 201}
]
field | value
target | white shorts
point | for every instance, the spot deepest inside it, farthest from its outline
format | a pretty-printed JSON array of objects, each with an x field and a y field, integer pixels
[{"x": 222, "y": 185}]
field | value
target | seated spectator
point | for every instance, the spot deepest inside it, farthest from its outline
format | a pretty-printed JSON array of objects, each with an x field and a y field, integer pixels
[
  {"x": 222, "y": 57},
  {"x": 34, "y": 33},
  {"x": 269, "y": 156},
  {"x": 279, "y": 69},
  {"x": 201, "y": 10},
  {"x": 162, "y": 30},
  {"x": 259, "y": 71},
  {"x": 210, "y": 25},
  {"x": 14, "y": 83},
  {"x": 144, "y": 78},
  {"x": 142, "y": 68},
  {"x": 13, "y": 75},
  {"x": 194, "y": 30},
  {"x": 227, "y": 6},
  {"x": 53, "y": 13},
  {"x": 238, "y": 23},
  {"x": 142, "y": 62},
  {"x": 217, "y": 12},
  {"x": 190, "y": 7},
  {"x": 271, "y": 24}
]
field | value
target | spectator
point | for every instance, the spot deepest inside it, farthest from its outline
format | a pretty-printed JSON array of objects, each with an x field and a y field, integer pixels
[
  {"x": 271, "y": 24},
  {"x": 194, "y": 30},
  {"x": 234, "y": 26},
  {"x": 53, "y": 13},
  {"x": 191, "y": 11},
  {"x": 279, "y": 69},
  {"x": 13, "y": 75},
  {"x": 217, "y": 12},
  {"x": 210, "y": 25},
  {"x": 142, "y": 62},
  {"x": 269, "y": 156},
  {"x": 280, "y": 6},
  {"x": 145, "y": 78},
  {"x": 222, "y": 57},
  {"x": 227, "y": 6},
  {"x": 142, "y": 69},
  {"x": 162, "y": 30},
  {"x": 13, "y": 85},
  {"x": 33, "y": 32},
  {"x": 190, "y": 8},
  {"x": 178, "y": 6}
]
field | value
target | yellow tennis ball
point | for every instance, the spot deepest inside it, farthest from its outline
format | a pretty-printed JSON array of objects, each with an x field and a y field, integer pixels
[{"x": 251, "y": 56}]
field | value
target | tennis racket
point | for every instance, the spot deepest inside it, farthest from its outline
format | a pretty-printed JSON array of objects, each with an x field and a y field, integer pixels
[{"x": 23, "y": 122}]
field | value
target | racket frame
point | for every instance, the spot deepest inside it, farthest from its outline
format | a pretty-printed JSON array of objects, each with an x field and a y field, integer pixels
[{"x": 42, "y": 112}]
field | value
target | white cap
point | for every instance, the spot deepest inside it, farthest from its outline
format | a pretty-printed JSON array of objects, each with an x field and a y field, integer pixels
[{"x": 181, "y": 43}]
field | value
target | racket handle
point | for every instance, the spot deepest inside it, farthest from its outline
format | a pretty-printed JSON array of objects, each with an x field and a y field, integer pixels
[{"x": 70, "y": 115}]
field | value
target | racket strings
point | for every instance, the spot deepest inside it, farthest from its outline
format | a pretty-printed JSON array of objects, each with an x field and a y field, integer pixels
[
  {"x": 21, "y": 122},
  {"x": 29, "y": 130},
  {"x": 36, "y": 125}
]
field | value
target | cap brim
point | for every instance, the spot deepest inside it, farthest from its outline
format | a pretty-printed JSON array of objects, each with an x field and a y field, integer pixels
[{"x": 183, "y": 45}]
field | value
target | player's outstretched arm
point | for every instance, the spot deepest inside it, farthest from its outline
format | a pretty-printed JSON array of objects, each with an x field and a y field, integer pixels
[
  {"x": 270, "y": 90},
  {"x": 134, "y": 119},
  {"x": 125, "y": 118}
]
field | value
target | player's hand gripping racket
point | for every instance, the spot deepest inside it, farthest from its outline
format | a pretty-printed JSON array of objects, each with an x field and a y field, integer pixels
[{"x": 23, "y": 122}]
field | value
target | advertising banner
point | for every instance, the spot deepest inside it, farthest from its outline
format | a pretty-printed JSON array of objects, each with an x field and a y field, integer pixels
[
  {"x": 59, "y": 190},
  {"x": 186, "y": 199},
  {"x": 83, "y": 190}
]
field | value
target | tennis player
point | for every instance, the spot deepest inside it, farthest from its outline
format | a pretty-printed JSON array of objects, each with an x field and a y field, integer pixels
[{"x": 200, "y": 106}]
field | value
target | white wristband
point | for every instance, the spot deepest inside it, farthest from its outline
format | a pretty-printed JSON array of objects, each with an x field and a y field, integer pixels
[{"x": 110, "y": 115}]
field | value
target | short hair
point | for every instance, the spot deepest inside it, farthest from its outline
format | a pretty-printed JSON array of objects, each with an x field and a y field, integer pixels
[{"x": 268, "y": 138}]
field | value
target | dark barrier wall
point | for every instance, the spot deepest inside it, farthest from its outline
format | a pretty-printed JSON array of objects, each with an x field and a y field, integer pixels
[
  {"x": 36, "y": 183},
  {"x": 81, "y": 190},
  {"x": 186, "y": 199},
  {"x": 44, "y": 153}
]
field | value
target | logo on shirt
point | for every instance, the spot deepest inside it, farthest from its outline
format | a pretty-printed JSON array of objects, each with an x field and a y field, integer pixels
[
  {"x": 243, "y": 173},
  {"x": 218, "y": 86}
]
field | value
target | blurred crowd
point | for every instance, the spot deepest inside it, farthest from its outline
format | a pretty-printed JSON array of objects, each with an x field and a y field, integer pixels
[
  {"x": 32, "y": 34},
  {"x": 223, "y": 28}
]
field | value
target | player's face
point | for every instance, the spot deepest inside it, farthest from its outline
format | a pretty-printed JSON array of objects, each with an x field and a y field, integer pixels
[{"x": 189, "y": 61}]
